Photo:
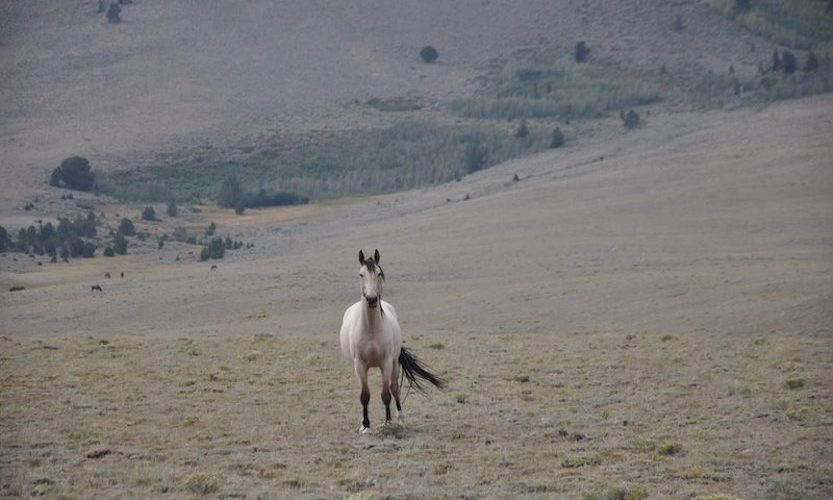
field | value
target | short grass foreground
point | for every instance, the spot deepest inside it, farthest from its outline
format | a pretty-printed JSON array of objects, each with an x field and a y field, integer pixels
[{"x": 573, "y": 415}]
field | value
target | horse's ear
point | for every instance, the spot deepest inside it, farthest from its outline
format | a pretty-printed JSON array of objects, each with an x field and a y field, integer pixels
[
  {"x": 376, "y": 256},
  {"x": 361, "y": 257}
]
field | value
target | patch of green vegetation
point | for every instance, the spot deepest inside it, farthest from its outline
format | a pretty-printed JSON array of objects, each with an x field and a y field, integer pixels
[
  {"x": 716, "y": 496},
  {"x": 644, "y": 445},
  {"x": 798, "y": 23},
  {"x": 670, "y": 448},
  {"x": 618, "y": 493},
  {"x": 394, "y": 158},
  {"x": 580, "y": 461},
  {"x": 564, "y": 90},
  {"x": 200, "y": 483},
  {"x": 794, "y": 382},
  {"x": 394, "y": 104}
]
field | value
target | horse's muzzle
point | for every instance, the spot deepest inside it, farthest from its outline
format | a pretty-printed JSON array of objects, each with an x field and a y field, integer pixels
[{"x": 372, "y": 301}]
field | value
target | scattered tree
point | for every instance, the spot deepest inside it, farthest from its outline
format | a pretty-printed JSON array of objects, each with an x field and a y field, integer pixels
[
  {"x": 679, "y": 24},
  {"x": 475, "y": 157},
  {"x": 789, "y": 62},
  {"x": 215, "y": 249},
  {"x": 114, "y": 13},
  {"x": 812, "y": 63},
  {"x": 126, "y": 227},
  {"x": 148, "y": 213},
  {"x": 776, "y": 60},
  {"x": 230, "y": 192},
  {"x": 630, "y": 119},
  {"x": 73, "y": 173},
  {"x": 581, "y": 52},
  {"x": 172, "y": 209},
  {"x": 557, "y": 138},
  {"x": 522, "y": 131},
  {"x": 209, "y": 231},
  {"x": 742, "y": 6},
  {"x": 428, "y": 54},
  {"x": 5, "y": 241},
  {"x": 108, "y": 251},
  {"x": 120, "y": 244},
  {"x": 102, "y": 6}
]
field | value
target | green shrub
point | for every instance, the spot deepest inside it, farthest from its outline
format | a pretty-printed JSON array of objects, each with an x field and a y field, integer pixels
[
  {"x": 428, "y": 54},
  {"x": 148, "y": 213},
  {"x": 109, "y": 252},
  {"x": 209, "y": 231},
  {"x": 172, "y": 209}
]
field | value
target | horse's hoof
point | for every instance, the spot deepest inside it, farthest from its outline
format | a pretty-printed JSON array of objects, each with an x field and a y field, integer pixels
[
  {"x": 364, "y": 430},
  {"x": 400, "y": 415}
]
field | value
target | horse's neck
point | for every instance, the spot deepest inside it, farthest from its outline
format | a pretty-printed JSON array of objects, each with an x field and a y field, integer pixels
[{"x": 373, "y": 317}]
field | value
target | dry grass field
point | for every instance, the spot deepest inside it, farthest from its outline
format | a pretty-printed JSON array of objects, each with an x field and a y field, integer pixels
[{"x": 561, "y": 414}]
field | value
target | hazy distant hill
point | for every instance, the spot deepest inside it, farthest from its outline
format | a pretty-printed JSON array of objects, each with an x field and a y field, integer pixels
[{"x": 180, "y": 74}]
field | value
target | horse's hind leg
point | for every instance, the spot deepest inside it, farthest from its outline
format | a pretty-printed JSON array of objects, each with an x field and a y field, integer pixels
[{"x": 394, "y": 389}]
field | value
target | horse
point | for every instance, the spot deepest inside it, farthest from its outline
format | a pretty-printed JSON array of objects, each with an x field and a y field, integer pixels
[
  {"x": 96, "y": 288},
  {"x": 107, "y": 275},
  {"x": 371, "y": 338}
]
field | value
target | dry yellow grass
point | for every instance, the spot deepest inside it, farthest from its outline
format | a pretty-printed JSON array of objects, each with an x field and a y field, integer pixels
[{"x": 203, "y": 416}]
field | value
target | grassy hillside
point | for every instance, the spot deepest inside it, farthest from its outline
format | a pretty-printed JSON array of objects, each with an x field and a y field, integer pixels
[{"x": 206, "y": 83}]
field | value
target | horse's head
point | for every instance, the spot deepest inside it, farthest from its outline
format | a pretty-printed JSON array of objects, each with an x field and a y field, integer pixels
[{"x": 371, "y": 277}]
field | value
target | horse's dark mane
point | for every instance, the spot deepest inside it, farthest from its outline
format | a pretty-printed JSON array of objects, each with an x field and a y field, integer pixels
[{"x": 371, "y": 266}]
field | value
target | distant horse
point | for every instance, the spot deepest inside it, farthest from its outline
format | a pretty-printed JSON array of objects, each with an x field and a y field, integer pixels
[
  {"x": 96, "y": 288},
  {"x": 107, "y": 275},
  {"x": 213, "y": 267},
  {"x": 122, "y": 274},
  {"x": 371, "y": 337}
]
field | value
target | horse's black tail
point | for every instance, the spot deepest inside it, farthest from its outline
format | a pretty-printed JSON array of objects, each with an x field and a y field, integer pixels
[{"x": 413, "y": 371}]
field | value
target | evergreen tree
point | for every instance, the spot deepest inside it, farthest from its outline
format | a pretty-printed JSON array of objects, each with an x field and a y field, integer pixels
[
  {"x": 428, "y": 54},
  {"x": 230, "y": 192},
  {"x": 557, "y": 138},
  {"x": 789, "y": 62}
]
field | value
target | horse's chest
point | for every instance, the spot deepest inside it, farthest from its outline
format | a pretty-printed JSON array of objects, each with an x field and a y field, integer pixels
[{"x": 373, "y": 353}]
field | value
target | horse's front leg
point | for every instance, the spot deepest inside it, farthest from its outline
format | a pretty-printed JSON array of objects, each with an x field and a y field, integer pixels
[
  {"x": 387, "y": 372},
  {"x": 361, "y": 373}
]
